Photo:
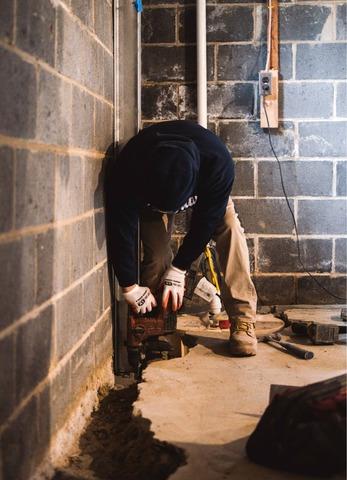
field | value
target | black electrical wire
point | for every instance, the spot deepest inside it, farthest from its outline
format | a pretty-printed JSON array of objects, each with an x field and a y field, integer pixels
[{"x": 292, "y": 213}]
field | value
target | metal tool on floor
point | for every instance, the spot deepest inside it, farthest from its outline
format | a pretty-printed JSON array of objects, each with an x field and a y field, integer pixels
[
  {"x": 318, "y": 333},
  {"x": 288, "y": 347}
]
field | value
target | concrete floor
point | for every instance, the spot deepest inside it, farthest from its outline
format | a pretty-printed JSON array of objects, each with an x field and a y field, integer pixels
[{"x": 209, "y": 403}]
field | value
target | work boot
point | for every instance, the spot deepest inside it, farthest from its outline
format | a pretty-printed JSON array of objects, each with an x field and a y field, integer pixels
[{"x": 243, "y": 341}]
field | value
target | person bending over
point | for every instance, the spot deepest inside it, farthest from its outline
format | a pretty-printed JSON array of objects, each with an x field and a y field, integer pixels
[{"x": 166, "y": 168}]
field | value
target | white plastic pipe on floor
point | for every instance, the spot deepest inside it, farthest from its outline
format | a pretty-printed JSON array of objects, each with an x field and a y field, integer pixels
[{"x": 201, "y": 62}]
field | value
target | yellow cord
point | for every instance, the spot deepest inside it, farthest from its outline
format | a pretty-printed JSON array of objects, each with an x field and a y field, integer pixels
[{"x": 214, "y": 276}]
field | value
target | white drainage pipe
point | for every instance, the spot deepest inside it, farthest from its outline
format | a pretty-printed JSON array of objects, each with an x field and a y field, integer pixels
[{"x": 201, "y": 62}]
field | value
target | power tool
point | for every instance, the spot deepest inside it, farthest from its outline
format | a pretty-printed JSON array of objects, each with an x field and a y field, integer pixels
[
  {"x": 143, "y": 336},
  {"x": 318, "y": 333}
]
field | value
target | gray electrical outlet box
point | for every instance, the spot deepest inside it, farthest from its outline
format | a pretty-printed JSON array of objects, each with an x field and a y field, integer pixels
[{"x": 265, "y": 83}]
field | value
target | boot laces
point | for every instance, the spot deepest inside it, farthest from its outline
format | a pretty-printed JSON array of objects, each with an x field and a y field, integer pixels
[{"x": 242, "y": 326}]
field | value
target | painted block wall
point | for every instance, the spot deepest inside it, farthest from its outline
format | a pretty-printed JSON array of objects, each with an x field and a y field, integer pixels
[
  {"x": 56, "y": 103},
  {"x": 311, "y": 140}
]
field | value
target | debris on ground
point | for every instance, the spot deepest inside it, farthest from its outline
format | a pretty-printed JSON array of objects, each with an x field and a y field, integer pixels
[{"x": 118, "y": 445}]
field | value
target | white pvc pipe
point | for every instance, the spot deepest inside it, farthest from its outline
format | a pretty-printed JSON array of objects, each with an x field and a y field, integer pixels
[{"x": 201, "y": 62}]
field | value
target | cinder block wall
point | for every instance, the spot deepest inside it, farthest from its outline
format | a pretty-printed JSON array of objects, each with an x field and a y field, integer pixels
[
  {"x": 56, "y": 107},
  {"x": 311, "y": 141}
]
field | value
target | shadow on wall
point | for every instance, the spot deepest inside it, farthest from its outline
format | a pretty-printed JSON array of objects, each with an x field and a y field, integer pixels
[{"x": 37, "y": 267}]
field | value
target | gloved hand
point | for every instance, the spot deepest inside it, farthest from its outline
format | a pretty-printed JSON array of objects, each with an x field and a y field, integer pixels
[
  {"x": 208, "y": 292},
  {"x": 174, "y": 287},
  {"x": 140, "y": 299},
  {"x": 215, "y": 305}
]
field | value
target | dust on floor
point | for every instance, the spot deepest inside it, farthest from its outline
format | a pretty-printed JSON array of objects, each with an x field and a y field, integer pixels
[
  {"x": 210, "y": 403},
  {"x": 119, "y": 446}
]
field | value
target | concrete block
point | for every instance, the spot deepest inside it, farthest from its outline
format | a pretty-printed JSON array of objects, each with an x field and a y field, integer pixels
[
  {"x": 275, "y": 290},
  {"x": 321, "y": 61},
  {"x": 323, "y": 139},
  {"x": 70, "y": 323},
  {"x": 6, "y": 188},
  {"x": 247, "y": 139},
  {"x": 264, "y": 216},
  {"x": 300, "y": 178},
  {"x": 34, "y": 200},
  {"x": 103, "y": 341},
  {"x": 244, "y": 179},
  {"x": 281, "y": 255},
  {"x": 78, "y": 55},
  {"x": 240, "y": 62},
  {"x": 6, "y": 20},
  {"x": 93, "y": 183},
  {"x": 82, "y": 128},
  {"x": 92, "y": 297},
  {"x": 107, "y": 291},
  {"x": 306, "y": 100},
  {"x": 187, "y": 102},
  {"x": 17, "y": 279},
  {"x": 103, "y": 126},
  {"x": 306, "y": 22},
  {"x": 224, "y": 24},
  {"x": 54, "y": 109},
  {"x": 83, "y": 9},
  {"x": 341, "y": 100},
  {"x": 229, "y": 24},
  {"x": 250, "y": 245},
  {"x": 231, "y": 101},
  {"x": 286, "y": 61},
  {"x": 159, "y": 102},
  {"x": 82, "y": 366},
  {"x": 69, "y": 187},
  {"x": 322, "y": 217},
  {"x": 53, "y": 263},
  {"x": 99, "y": 238},
  {"x": 7, "y": 376},
  {"x": 176, "y": 63},
  {"x": 341, "y": 255},
  {"x": 310, "y": 293},
  {"x": 20, "y": 445},
  {"x": 158, "y": 25},
  {"x": 81, "y": 234},
  {"x": 108, "y": 81},
  {"x": 18, "y": 106},
  {"x": 35, "y": 29},
  {"x": 60, "y": 396},
  {"x": 341, "y": 179},
  {"x": 341, "y": 22},
  {"x": 34, "y": 351},
  {"x": 104, "y": 22}
]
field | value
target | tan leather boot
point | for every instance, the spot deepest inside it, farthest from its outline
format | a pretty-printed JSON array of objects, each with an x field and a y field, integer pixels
[{"x": 243, "y": 341}]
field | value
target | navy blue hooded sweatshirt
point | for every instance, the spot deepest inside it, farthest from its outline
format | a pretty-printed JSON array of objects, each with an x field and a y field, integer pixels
[{"x": 164, "y": 166}]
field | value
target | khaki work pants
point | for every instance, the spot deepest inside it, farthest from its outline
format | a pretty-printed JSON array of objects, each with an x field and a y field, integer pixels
[{"x": 238, "y": 292}]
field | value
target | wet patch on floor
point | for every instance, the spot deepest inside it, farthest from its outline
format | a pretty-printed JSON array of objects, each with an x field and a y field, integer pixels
[{"x": 118, "y": 445}]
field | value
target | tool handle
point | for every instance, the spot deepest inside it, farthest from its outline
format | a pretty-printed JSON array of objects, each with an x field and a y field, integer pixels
[{"x": 297, "y": 351}]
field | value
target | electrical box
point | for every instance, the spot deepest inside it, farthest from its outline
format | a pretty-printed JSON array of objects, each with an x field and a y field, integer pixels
[{"x": 268, "y": 91}]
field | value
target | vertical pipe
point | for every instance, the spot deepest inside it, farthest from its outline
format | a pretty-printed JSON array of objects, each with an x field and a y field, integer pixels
[
  {"x": 116, "y": 72},
  {"x": 201, "y": 62},
  {"x": 139, "y": 67}
]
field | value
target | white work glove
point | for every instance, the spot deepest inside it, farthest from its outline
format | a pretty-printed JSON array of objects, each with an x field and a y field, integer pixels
[
  {"x": 215, "y": 305},
  {"x": 208, "y": 292},
  {"x": 174, "y": 287},
  {"x": 140, "y": 299}
]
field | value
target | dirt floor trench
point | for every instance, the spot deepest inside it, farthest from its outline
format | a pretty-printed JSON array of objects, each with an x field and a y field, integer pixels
[{"x": 193, "y": 415}]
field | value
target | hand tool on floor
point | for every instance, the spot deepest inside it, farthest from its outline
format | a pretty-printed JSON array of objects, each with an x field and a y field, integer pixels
[
  {"x": 289, "y": 347},
  {"x": 318, "y": 333}
]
